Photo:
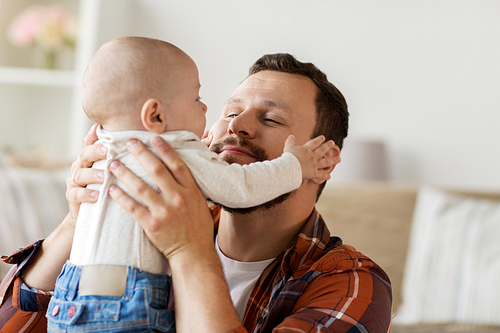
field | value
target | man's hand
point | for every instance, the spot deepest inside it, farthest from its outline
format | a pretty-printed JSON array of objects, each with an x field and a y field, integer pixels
[
  {"x": 43, "y": 268},
  {"x": 82, "y": 174},
  {"x": 316, "y": 157}
]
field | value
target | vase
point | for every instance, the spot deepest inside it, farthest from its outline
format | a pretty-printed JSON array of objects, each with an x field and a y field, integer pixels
[
  {"x": 45, "y": 59},
  {"x": 49, "y": 61}
]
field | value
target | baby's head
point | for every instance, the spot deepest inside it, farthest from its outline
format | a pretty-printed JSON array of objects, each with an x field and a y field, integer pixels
[{"x": 137, "y": 83}]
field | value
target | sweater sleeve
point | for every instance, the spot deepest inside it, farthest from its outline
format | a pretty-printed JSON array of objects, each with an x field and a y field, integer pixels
[{"x": 242, "y": 186}]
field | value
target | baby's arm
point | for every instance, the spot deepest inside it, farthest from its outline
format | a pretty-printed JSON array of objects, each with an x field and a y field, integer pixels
[{"x": 241, "y": 186}]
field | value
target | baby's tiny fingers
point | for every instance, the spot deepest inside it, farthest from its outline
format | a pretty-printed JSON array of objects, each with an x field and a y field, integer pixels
[
  {"x": 323, "y": 175},
  {"x": 313, "y": 144},
  {"x": 326, "y": 162},
  {"x": 324, "y": 148}
]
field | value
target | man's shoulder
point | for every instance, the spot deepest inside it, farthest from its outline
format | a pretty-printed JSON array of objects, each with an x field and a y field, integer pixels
[
  {"x": 341, "y": 258},
  {"x": 343, "y": 265},
  {"x": 326, "y": 253}
]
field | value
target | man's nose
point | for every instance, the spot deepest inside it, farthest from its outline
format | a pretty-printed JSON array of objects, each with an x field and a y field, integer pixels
[{"x": 242, "y": 125}]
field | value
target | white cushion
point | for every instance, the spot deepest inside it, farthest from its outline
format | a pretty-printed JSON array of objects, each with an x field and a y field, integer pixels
[{"x": 452, "y": 272}]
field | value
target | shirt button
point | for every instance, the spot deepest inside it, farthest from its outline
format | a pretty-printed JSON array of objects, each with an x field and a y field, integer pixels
[
  {"x": 71, "y": 311},
  {"x": 260, "y": 320},
  {"x": 55, "y": 310}
]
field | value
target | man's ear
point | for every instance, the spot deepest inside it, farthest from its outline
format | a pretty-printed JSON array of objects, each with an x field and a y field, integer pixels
[
  {"x": 152, "y": 117},
  {"x": 333, "y": 152}
]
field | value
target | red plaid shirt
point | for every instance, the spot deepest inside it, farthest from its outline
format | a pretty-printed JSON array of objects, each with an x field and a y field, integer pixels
[{"x": 317, "y": 285}]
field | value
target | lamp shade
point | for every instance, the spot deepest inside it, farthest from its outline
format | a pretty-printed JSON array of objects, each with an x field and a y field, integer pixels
[{"x": 362, "y": 161}]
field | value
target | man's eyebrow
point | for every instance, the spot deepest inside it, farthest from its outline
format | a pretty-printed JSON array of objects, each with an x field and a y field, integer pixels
[
  {"x": 267, "y": 103},
  {"x": 276, "y": 105},
  {"x": 232, "y": 100}
]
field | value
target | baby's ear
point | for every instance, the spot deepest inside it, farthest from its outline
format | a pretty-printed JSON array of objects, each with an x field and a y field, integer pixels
[{"x": 152, "y": 117}]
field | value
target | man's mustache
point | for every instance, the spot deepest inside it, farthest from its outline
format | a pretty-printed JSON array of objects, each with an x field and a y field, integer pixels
[{"x": 259, "y": 153}]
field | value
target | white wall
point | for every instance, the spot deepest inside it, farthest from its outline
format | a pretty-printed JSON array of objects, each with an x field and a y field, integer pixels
[{"x": 422, "y": 76}]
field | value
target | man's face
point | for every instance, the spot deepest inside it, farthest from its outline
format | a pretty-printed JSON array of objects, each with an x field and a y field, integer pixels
[
  {"x": 257, "y": 119},
  {"x": 263, "y": 111}
]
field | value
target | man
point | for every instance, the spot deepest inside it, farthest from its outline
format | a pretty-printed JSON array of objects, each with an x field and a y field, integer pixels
[{"x": 311, "y": 282}]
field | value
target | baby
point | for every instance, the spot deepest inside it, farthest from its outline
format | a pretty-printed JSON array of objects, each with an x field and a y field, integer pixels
[{"x": 137, "y": 88}]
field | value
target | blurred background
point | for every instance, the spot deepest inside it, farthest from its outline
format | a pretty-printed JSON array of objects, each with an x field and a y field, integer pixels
[
  {"x": 422, "y": 81},
  {"x": 421, "y": 78}
]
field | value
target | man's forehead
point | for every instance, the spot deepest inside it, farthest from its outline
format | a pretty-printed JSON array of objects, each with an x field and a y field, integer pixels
[
  {"x": 275, "y": 86},
  {"x": 267, "y": 79},
  {"x": 279, "y": 82},
  {"x": 265, "y": 102}
]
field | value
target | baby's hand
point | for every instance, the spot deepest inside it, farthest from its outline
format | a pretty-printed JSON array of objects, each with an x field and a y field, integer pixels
[
  {"x": 207, "y": 138},
  {"x": 312, "y": 156}
]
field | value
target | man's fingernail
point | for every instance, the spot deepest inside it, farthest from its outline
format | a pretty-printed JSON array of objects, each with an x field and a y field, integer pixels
[
  {"x": 100, "y": 175},
  {"x": 157, "y": 141},
  {"x": 112, "y": 188},
  {"x": 131, "y": 143},
  {"x": 114, "y": 165},
  {"x": 103, "y": 150},
  {"x": 93, "y": 194}
]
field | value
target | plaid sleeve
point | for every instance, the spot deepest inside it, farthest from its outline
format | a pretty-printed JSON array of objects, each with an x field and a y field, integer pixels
[
  {"x": 22, "y": 309},
  {"x": 355, "y": 297}
]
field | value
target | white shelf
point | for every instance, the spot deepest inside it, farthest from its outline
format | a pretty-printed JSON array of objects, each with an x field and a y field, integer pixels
[
  {"x": 17, "y": 83},
  {"x": 37, "y": 76}
]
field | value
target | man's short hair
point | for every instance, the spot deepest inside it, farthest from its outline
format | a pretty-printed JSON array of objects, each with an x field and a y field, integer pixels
[{"x": 332, "y": 117}]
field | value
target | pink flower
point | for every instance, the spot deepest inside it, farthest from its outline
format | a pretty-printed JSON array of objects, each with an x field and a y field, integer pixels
[
  {"x": 49, "y": 28},
  {"x": 25, "y": 27},
  {"x": 56, "y": 15}
]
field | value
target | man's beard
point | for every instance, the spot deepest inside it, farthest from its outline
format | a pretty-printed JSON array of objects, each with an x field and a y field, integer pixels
[{"x": 261, "y": 155}]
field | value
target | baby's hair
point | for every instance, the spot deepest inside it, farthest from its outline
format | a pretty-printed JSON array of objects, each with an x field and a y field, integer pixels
[{"x": 123, "y": 74}]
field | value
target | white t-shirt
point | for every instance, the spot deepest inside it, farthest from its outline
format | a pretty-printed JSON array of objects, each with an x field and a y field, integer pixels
[{"x": 241, "y": 277}]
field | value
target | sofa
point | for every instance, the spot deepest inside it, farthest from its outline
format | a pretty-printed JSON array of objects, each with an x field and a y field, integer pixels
[
  {"x": 376, "y": 218},
  {"x": 33, "y": 202}
]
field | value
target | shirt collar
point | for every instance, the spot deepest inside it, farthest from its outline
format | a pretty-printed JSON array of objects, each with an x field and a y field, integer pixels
[{"x": 311, "y": 241}]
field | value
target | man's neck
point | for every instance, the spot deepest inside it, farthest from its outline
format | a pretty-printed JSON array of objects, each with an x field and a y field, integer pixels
[{"x": 263, "y": 234}]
